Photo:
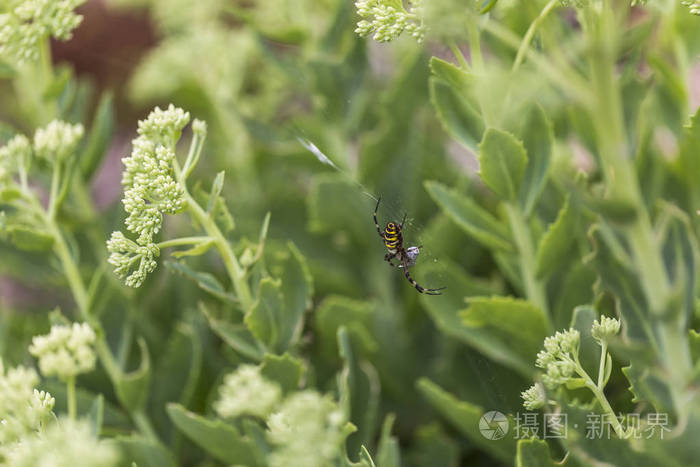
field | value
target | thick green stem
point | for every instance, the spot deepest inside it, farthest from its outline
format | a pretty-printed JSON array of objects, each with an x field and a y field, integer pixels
[
  {"x": 235, "y": 271},
  {"x": 534, "y": 289},
  {"x": 622, "y": 184},
  {"x": 70, "y": 391},
  {"x": 525, "y": 44}
]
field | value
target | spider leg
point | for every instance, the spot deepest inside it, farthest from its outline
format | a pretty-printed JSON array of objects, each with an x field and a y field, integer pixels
[
  {"x": 415, "y": 284},
  {"x": 403, "y": 220},
  {"x": 376, "y": 208},
  {"x": 389, "y": 256}
]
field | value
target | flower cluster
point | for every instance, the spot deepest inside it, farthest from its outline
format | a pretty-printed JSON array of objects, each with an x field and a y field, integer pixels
[
  {"x": 65, "y": 442},
  {"x": 66, "y": 351},
  {"x": 125, "y": 253},
  {"x": 605, "y": 329},
  {"x": 57, "y": 140},
  {"x": 388, "y": 19},
  {"x": 533, "y": 397},
  {"x": 13, "y": 155},
  {"x": 23, "y": 409},
  {"x": 559, "y": 357},
  {"x": 150, "y": 190},
  {"x": 26, "y": 23},
  {"x": 693, "y": 6},
  {"x": 306, "y": 430},
  {"x": 247, "y": 392}
]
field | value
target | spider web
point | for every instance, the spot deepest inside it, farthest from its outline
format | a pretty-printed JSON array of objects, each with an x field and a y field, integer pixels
[{"x": 391, "y": 207}]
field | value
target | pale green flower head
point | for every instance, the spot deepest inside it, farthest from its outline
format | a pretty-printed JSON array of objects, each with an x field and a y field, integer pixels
[
  {"x": 24, "y": 24},
  {"x": 559, "y": 356},
  {"x": 23, "y": 409},
  {"x": 693, "y": 6},
  {"x": 247, "y": 392},
  {"x": 57, "y": 140},
  {"x": 130, "y": 259},
  {"x": 164, "y": 126},
  {"x": 533, "y": 397},
  {"x": 388, "y": 19},
  {"x": 13, "y": 155},
  {"x": 307, "y": 431},
  {"x": 150, "y": 190},
  {"x": 65, "y": 443},
  {"x": 66, "y": 351},
  {"x": 605, "y": 329}
]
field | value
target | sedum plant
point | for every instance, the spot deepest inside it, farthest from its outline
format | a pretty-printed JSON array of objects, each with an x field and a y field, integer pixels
[{"x": 544, "y": 159}]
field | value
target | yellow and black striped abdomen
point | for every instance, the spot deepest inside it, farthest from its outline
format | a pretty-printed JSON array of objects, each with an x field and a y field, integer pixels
[{"x": 392, "y": 236}]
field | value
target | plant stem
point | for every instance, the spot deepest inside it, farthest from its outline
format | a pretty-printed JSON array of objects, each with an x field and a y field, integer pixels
[
  {"x": 622, "y": 184},
  {"x": 70, "y": 386},
  {"x": 235, "y": 272},
  {"x": 77, "y": 287},
  {"x": 525, "y": 44},
  {"x": 534, "y": 289},
  {"x": 53, "y": 196},
  {"x": 600, "y": 396},
  {"x": 459, "y": 56},
  {"x": 603, "y": 359},
  {"x": 183, "y": 241}
]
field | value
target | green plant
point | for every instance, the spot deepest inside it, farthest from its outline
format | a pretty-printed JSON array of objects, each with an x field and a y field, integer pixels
[{"x": 253, "y": 322}]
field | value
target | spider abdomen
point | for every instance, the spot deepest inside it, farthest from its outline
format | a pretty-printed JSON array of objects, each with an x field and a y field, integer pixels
[{"x": 392, "y": 237}]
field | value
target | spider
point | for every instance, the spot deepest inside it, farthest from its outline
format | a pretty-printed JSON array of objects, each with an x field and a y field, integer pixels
[{"x": 393, "y": 239}]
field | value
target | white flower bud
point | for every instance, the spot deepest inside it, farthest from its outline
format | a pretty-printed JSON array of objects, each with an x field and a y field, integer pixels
[{"x": 66, "y": 351}]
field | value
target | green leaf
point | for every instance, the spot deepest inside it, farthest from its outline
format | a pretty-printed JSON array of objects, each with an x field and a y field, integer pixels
[
  {"x": 100, "y": 136},
  {"x": 359, "y": 386},
  {"x": 618, "y": 275},
  {"x": 476, "y": 221},
  {"x": 513, "y": 325},
  {"x": 29, "y": 238},
  {"x": 95, "y": 415},
  {"x": 589, "y": 349},
  {"x": 237, "y": 336},
  {"x": 355, "y": 315},
  {"x": 388, "y": 453},
  {"x": 9, "y": 193},
  {"x": 331, "y": 191},
  {"x": 265, "y": 316},
  {"x": 465, "y": 417},
  {"x": 285, "y": 370},
  {"x": 142, "y": 452},
  {"x": 196, "y": 250},
  {"x": 221, "y": 440},
  {"x": 181, "y": 366},
  {"x": 694, "y": 341},
  {"x": 132, "y": 388},
  {"x": 434, "y": 448},
  {"x": 297, "y": 288},
  {"x": 457, "y": 78},
  {"x": 575, "y": 289},
  {"x": 533, "y": 453},
  {"x": 459, "y": 115},
  {"x": 216, "y": 188},
  {"x": 444, "y": 311},
  {"x": 555, "y": 246},
  {"x": 502, "y": 159},
  {"x": 538, "y": 138},
  {"x": 204, "y": 280},
  {"x": 649, "y": 384}
]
